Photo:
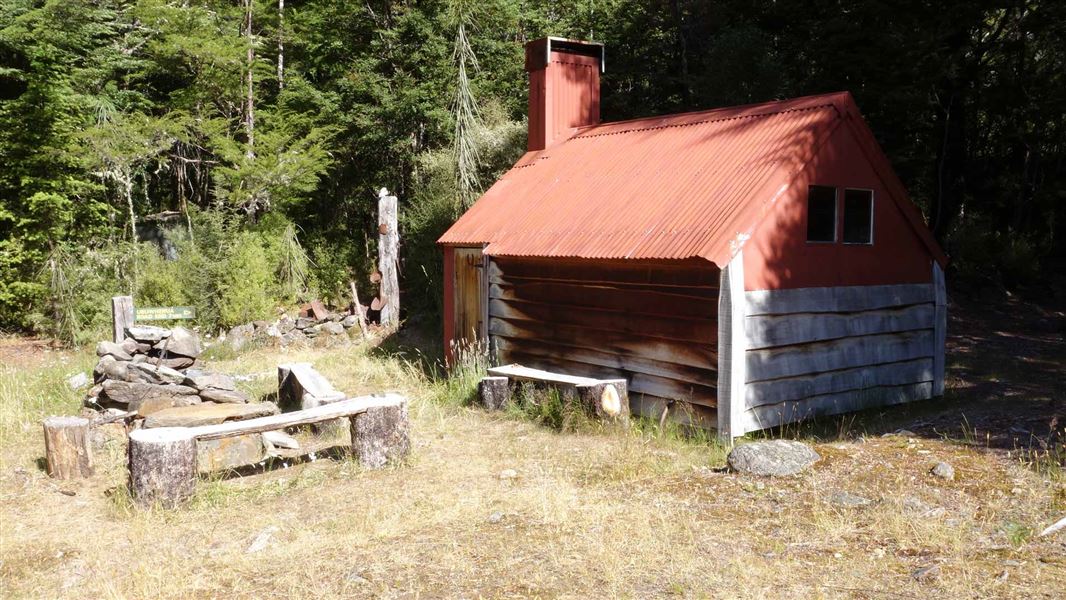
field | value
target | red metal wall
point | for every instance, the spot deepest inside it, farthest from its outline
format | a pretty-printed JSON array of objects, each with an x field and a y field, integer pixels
[{"x": 778, "y": 256}]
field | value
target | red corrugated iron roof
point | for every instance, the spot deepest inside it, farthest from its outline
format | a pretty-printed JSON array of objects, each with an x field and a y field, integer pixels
[{"x": 671, "y": 187}]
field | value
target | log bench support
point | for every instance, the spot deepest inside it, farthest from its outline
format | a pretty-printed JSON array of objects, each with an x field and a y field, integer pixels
[
  {"x": 163, "y": 466},
  {"x": 67, "y": 448},
  {"x": 605, "y": 399}
]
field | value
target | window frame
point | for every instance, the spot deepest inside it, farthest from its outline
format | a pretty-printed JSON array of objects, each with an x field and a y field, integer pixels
[
  {"x": 843, "y": 211},
  {"x": 836, "y": 215}
]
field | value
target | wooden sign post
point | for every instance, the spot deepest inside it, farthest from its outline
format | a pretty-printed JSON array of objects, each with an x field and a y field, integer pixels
[{"x": 121, "y": 317}]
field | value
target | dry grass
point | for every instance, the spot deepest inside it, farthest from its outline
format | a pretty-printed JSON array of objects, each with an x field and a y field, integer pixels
[{"x": 590, "y": 513}]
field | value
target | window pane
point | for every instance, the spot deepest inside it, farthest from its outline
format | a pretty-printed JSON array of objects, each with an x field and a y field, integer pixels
[
  {"x": 858, "y": 210},
  {"x": 821, "y": 214}
]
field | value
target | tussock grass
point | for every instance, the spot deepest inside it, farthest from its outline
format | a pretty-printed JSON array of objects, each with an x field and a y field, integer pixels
[{"x": 592, "y": 511}]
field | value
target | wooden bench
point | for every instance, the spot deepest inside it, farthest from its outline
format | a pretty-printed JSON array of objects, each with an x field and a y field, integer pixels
[
  {"x": 606, "y": 399},
  {"x": 162, "y": 461}
]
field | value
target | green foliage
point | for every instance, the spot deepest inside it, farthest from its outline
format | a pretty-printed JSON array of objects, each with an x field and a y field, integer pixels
[
  {"x": 113, "y": 110},
  {"x": 244, "y": 289}
]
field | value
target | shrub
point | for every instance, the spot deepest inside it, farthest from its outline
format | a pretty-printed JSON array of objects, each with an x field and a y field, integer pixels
[{"x": 246, "y": 282}]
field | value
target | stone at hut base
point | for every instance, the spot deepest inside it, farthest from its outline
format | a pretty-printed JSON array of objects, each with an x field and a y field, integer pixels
[
  {"x": 110, "y": 368},
  {"x": 229, "y": 453},
  {"x": 154, "y": 404},
  {"x": 208, "y": 414},
  {"x": 224, "y": 396},
  {"x": 776, "y": 458}
]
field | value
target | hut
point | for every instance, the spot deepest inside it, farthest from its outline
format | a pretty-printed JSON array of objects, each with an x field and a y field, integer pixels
[{"x": 741, "y": 267}]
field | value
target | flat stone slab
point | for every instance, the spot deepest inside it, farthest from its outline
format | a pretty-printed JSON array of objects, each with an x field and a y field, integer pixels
[
  {"x": 224, "y": 396},
  {"x": 134, "y": 393},
  {"x": 205, "y": 379},
  {"x": 229, "y": 453},
  {"x": 775, "y": 458},
  {"x": 148, "y": 334},
  {"x": 116, "y": 350},
  {"x": 208, "y": 414}
]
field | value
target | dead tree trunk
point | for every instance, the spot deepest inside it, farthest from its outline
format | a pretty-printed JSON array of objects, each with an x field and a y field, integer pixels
[
  {"x": 381, "y": 435},
  {"x": 388, "y": 260},
  {"x": 67, "y": 448},
  {"x": 249, "y": 111},
  {"x": 281, "y": 44},
  {"x": 162, "y": 465}
]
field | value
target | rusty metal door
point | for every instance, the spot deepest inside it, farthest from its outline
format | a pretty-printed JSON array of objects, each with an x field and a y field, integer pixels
[{"x": 470, "y": 325}]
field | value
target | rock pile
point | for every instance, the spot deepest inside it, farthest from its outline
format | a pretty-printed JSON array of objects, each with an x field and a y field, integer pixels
[
  {"x": 150, "y": 371},
  {"x": 292, "y": 331}
]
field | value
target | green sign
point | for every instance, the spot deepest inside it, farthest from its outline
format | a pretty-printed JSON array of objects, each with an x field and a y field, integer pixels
[{"x": 164, "y": 313}]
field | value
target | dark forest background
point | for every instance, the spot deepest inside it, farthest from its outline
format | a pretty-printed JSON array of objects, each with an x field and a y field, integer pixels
[{"x": 228, "y": 154}]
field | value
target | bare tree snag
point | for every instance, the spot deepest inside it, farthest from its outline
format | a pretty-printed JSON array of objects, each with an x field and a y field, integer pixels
[
  {"x": 162, "y": 465},
  {"x": 122, "y": 316},
  {"x": 381, "y": 435},
  {"x": 494, "y": 392},
  {"x": 607, "y": 399},
  {"x": 67, "y": 448},
  {"x": 388, "y": 259},
  {"x": 360, "y": 316},
  {"x": 249, "y": 110},
  {"x": 281, "y": 44}
]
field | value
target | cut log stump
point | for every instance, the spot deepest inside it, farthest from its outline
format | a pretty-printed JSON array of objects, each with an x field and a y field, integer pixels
[
  {"x": 67, "y": 447},
  {"x": 493, "y": 392},
  {"x": 607, "y": 399},
  {"x": 381, "y": 435},
  {"x": 162, "y": 465}
]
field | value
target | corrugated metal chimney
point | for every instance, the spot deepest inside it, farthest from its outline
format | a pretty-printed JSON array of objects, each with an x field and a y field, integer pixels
[{"x": 564, "y": 87}]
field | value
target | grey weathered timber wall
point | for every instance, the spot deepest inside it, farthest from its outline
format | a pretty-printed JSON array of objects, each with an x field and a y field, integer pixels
[
  {"x": 652, "y": 323},
  {"x": 820, "y": 351}
]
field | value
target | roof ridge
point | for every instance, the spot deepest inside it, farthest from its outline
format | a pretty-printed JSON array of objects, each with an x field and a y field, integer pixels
[{"x": 588, "y": 132}]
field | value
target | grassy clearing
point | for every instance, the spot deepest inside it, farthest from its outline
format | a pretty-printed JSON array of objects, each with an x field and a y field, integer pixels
[{"x": 592, "y": 511}]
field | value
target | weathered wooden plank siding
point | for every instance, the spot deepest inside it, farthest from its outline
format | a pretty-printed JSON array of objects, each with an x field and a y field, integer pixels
[
  {"x": 821, "y": 351},
  {"x": 653, "y": 323}
]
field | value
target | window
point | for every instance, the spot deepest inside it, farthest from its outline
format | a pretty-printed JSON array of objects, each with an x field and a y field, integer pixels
[
  {"x": 858, "y": 216},
  {"x": 821, "y": 214}
]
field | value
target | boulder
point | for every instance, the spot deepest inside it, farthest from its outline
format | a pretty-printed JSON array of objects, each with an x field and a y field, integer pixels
[
  {"x": 205, "y": 379},
  {"x": 300, "y": 386},
  {"x": 113, "y": 349},
  {"x": 208, "y": 414},
  {"x": 148, "y": 334},
  {"x": 847, "y": 500},
  {"x": 775, "y": 458},
  {"x": 224, "y": 396},
  {"x": 944, "y": 471},
  {"x": 177, "y": 362},
  {"x": 332, "y": 328},
  {"x": 181, "y": 342},
  {"x": 285, "y": 324},
  {"x": 280, "y": 439},
  {"x": 146, "y": 372},
  {"x": 110, "y": 368},
  {"x": 304, "y": 322},
  {"x": 294, "y": 337},
  {"x": 134, "y": 394},
  {"x": 350, "y": 321},
  {"x": 132, "y": 346},
  {"x": 229, "y": 453},
  {"x": 77, "y": 381},
  {"x": 239, "y": 336},
  {"x": 154, "y": 404}
]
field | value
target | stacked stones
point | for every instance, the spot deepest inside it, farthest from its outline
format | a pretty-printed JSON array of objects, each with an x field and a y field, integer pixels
[
  {"x": 150, "y": 371},
  {"x": 289, "y": 331}
]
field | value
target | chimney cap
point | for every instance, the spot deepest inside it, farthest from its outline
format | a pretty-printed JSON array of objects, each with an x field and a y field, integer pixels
[{"x": 538, "y": 52}]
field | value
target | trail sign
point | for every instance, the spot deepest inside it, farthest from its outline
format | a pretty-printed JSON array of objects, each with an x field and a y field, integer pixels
[{"x": 164, "y": 313}]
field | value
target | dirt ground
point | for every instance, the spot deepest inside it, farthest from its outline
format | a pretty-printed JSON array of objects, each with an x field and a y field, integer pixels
[{"x": 598, "y": 512}]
